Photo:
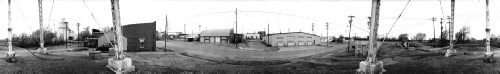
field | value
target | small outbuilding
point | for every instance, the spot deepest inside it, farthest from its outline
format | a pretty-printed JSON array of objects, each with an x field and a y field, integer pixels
[
  {"x": 216, "y": 35},
  {"x": 252, "y": 36},
  {"x": 291, "y": 39}
]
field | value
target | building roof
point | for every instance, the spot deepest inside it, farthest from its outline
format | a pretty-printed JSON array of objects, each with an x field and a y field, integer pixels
[
  {"x": 291, "y": 33},
  {"x": 217, "y": 32}
]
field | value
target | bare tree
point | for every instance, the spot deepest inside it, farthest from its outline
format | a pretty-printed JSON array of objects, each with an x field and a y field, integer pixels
[
  {"x": 419, "y": 37},
  {"x": 462, "y": 34},
  {"x": 443, "y": 39},
  {"x": 403, "y": 37}
]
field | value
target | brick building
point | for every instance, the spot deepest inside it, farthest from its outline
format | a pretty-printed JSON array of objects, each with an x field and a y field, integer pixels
[{"x": 139, "y": 37}]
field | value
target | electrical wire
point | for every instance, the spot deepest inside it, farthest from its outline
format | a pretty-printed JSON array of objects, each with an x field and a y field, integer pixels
[
  {"x": 360, "y": 28},
  {"x": 470, "y": 15},
  {"x": 383, "y": 40},
  {"x": 24, "y": 17},
  {"x": 51, "y": 8},
  {"x": 495, "y": 5},
  {"x": 442, "y": 11},
  {"x": 404, "y": 29},
  {"x": 38, "y": 41},
  {"x": 92, "y": 14},
  {"x": 287, "y": 15},
  {"x": 202, "y": 15}
]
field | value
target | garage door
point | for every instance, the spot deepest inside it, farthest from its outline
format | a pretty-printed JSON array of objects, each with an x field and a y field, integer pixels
[
  {"x": 280, "y": 43},
  {"x": 206, "y": 39},
  {"x": 217, "y": 39},
  {"x": 290, "y": 41},
  {"x": 212, "y": 39}
]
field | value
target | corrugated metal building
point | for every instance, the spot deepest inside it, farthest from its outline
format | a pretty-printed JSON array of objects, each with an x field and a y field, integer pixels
[
  {"x": 291, "y": 39},
  {"x": 216, "y": 35}
]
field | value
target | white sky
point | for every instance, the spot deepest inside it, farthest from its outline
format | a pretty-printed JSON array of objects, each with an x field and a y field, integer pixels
[{"x": 189, "y": 12}]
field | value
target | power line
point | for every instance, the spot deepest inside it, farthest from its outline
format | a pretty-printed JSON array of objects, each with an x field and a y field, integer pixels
[
  {"x": 412, "y": 26},
  {"x": 360, "y": 28},
  {"x": 442, "y": 11},
  {"x": 24, "y": 17},
  {"x": 495, "y": 5},
  {"x": 51, "y": 8},
  {"x": 470, "y": 15},
  {"x": 36, "y": 39},
  {"x": 378, "y": 46},
  {"x": 397, "y": 18},
  {"x": 203, "y": 14},
  {"x": 98, "y": 22},
  {"x": 287, "y": 15}
]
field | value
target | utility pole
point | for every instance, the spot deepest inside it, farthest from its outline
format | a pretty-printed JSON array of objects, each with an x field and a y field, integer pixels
[
  {"x": 434, "y": 28},
  {"x": 288, "y": 29},
  {"x": 166, "y": 31},
  {"x": 42, "y": 49},
  {"x": 199, "y": 29},
  {"x": 371, "y": 65},
  {"x": 268, "y": 37},
  {"x": 78, "y": 35},
  {"x": 119, "y": 63},
  {"x": 237, "y": 36},
  {"x": 441, "y": 37},
  {"x": 488, "y": 56},
  {"x": 327, "y": 38},
  {"x": 185, "y": 32},
  {"x": 350, "y": 27},
  {"x": 11, "y": 54},
  {"x": 451, "y": 51},
  {"x": 313, "y": 28},
  {"x": 66, "y": 38}
]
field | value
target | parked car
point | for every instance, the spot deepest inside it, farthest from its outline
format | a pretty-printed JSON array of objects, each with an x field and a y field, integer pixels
[{"x": 104, "y": 48}]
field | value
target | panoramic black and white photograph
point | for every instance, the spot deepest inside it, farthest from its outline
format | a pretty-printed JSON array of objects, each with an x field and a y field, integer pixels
[{"x": 249, "y": 37}]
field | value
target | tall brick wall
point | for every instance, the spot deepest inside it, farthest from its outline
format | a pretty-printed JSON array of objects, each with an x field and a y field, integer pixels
[{"x": 141, "y": 30}]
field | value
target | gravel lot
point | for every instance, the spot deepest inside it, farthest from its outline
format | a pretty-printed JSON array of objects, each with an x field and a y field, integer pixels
[{"x": 396, "y": 60}]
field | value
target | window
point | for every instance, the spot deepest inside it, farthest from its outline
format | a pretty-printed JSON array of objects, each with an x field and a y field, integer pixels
[
  {"x": 290, "y": 36},
  {"x": 280, "y": 41},
  {"x": 279, "y": 37},
  {"x": 309, "y": 37},
  {"x": 301, "y": 37},
  {"x": 141, "y": 41}
]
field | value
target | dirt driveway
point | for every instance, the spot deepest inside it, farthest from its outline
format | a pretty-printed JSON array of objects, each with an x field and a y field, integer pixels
[{"x": 211, "y": 49}]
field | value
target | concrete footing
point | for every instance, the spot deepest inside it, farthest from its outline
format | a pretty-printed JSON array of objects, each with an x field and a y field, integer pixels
[
  {"x": 11, "y": 57},
  {"x": 450, "y": 52},
  {"x": 120, "y": 66},
  {"x": 361, "y": 51},
  {"x": 111, "y": 52},
  {"x": 488, "y": 57},
  {"x": 95, "y": 55},
  {"x": 42, "y": 50},
  {"x": 366, "y": 67}
]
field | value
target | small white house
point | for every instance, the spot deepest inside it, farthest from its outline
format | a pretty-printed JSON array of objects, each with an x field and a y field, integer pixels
[{"x": 252, "y": 35}]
